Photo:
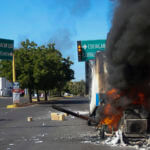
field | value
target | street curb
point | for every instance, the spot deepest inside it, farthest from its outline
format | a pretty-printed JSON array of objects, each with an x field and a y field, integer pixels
[
  {"x": 51, "y": 99},
  {"x": 11, "y": 106},
  {"x": 19, "y": 105},
  {"x": 35, "y": 100},
  {"x": 68, "y": 96}
]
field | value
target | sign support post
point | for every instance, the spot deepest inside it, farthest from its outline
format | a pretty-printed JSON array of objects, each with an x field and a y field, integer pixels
[
  {"x": 16, "y": 89},
  {"x": 13, "y": 69}
]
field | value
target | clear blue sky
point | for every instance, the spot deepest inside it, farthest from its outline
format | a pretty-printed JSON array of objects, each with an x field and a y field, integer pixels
[{"x": 61, "y": 21}]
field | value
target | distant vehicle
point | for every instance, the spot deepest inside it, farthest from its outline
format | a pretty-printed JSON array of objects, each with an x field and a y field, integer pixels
[
  {"x": 68, "y": 94},
  {"x": 7, "y": 92}
]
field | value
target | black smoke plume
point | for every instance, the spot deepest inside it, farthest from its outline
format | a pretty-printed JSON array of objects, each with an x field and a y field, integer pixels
[
  {"x": 128, "y": 58},
  {"x": 128, "y": 45}
]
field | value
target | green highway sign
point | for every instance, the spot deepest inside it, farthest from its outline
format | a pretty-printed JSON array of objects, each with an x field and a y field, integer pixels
[
  {"x": 6, "y": 49},
  {"x": 90, "y": 47}
]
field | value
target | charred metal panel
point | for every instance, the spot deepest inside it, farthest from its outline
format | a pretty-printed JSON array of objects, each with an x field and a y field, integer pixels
[{"x": 135, "y": 127}]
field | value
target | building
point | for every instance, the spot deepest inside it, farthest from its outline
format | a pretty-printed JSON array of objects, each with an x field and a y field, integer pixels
[{"x": 5, "y": 87}]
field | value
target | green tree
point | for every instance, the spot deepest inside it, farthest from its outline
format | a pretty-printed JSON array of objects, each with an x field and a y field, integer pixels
[
  {"x": 6, "y": 69},
  {"x": 24, "y": 61},
  {"x": 75, "y": 88},
  {"x": 64, "y": 74},
  {"x": 45, "y": 68},
  {"x": 39, "y": 68}
]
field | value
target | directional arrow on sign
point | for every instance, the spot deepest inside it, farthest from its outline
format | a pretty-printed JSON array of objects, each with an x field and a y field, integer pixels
[
  {"x": 90, "y": 47},
  {"x": 85, "y": 46}
]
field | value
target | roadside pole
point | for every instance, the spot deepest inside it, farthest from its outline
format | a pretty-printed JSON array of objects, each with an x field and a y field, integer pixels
[
  {"x": 87, "y": 77},
  {"x": 16, "y": 89},
  {"x": 13, "y": 69}
]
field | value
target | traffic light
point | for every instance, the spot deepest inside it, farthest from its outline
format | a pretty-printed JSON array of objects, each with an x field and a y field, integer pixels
[{"x": 79, "y": 50}]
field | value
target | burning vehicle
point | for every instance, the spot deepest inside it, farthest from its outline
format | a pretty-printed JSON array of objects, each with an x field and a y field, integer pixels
[
  {"x": 133, "y": 120},
  {"x": 127, "y": 103},
  {"x": 120, "y": 108},
  {"x": 125, "y": 109}
]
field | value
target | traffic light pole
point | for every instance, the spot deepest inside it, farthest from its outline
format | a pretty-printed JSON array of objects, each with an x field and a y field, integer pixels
[{"x": 87, "y": 77}]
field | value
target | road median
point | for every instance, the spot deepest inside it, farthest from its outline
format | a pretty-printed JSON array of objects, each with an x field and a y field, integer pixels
[{"x": 17, "y": 105}]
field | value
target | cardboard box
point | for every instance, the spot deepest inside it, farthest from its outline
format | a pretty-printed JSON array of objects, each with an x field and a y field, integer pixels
[
  {"x": 56, "y": 116},
  {"x": 29, "y": 119},
  {"x": 61, "y": 117},
  {"x": 66, "y": 114}
]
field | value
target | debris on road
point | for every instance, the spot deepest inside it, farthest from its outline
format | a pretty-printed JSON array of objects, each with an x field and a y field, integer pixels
[
  {"x": 72, "y": 117},
  {"x": 29, "y": 119},
  {"x": 57, "y": 116},
  {"x": 11, "y": 144},
  {"x": 38, "y": 142}
]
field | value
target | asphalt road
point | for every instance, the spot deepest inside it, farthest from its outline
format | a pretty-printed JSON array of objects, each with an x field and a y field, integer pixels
[{"x": 43, "y": 133}]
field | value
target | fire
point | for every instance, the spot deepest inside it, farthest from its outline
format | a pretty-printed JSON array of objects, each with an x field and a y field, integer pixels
[
  {"x": 112, "y": 113},
  {"x": 112, "y": 119},
  {"x": 112, "y": 122},
  {"x": 112, "y": 116},
  {"x": 113, "y": 94},
  {"x": 140, "y": 100}
]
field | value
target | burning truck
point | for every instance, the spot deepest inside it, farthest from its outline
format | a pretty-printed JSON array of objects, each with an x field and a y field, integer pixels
[
  {"x": 126, "y": 110},
  {"x": 126, "y": 105}
]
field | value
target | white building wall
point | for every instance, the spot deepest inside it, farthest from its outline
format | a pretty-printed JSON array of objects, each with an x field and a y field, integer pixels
[{"x": 4, "y": 83}]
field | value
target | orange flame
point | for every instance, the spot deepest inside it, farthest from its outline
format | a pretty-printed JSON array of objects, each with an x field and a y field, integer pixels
[
  {"x": 140, "y": 100},
  {"x": 113, "y": 115},
  {"x": 111, "y": 119},
  {"x": 113, "y": 94}
]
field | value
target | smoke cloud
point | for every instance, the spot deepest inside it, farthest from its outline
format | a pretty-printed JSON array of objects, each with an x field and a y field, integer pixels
[
  {"x": 76, "y": 8},
  {"x": 128, "y": 45},
  {"x": 62, "y": 38},
  {"x": 128, "y": 57},
  {"x": 69, "y": 12}
]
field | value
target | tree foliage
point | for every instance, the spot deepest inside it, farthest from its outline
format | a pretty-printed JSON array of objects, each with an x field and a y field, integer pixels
[
  {"x": 38, "y": 68},
  {"x": 75, "y": 88}
]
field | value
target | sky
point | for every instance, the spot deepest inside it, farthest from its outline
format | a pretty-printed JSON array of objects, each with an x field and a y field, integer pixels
[{"x": 61, "y": 21}]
